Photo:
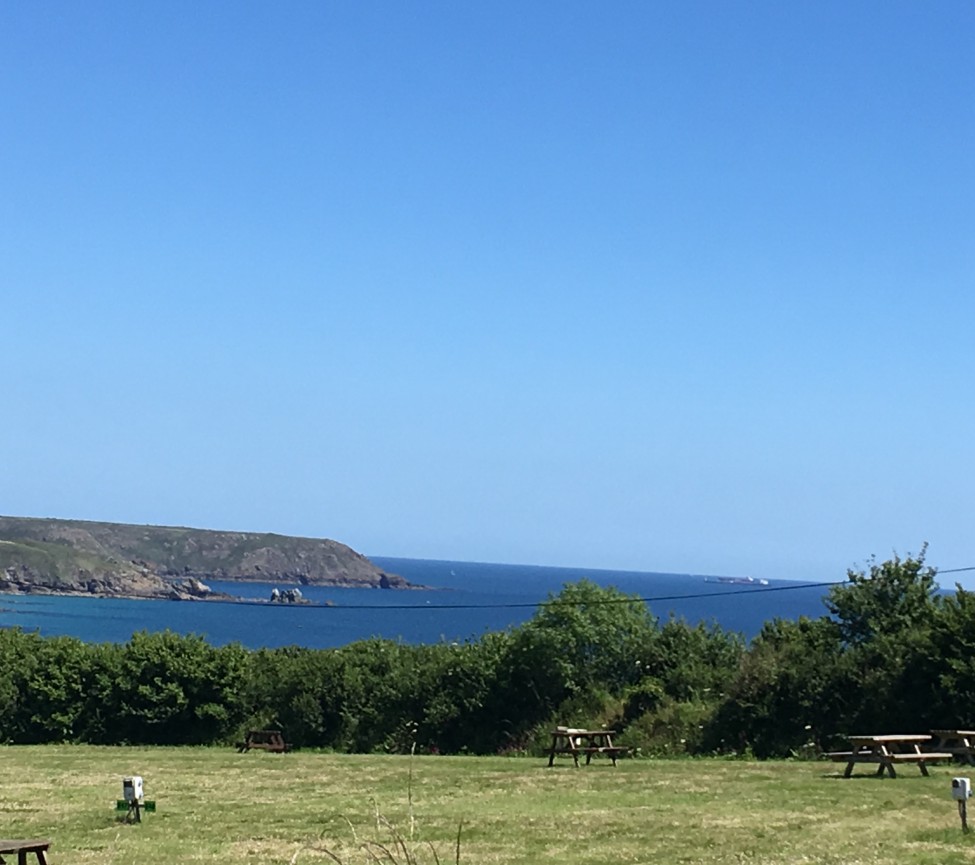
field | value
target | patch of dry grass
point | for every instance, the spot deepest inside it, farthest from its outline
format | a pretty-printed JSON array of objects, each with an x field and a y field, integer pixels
[{"x": 217, "y": 806}]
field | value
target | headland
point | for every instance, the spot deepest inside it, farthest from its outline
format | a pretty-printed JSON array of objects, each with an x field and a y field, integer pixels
[{"x": 80, "y": 557}]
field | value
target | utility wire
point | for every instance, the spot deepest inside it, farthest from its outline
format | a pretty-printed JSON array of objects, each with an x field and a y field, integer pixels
[{"x": 556, "y": 602}]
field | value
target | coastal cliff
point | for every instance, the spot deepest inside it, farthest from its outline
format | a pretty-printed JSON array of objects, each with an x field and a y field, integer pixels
[{"x": 121, "y": 560}]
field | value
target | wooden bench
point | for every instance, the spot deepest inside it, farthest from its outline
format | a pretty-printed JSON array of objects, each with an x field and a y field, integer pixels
[
  {"x": 610, "y": 751},
  {"x": 22, "y": 848},
  {"x": 839, "y": 756},
  {"x": 925, "y": 756},
  {"x": 264, "y": 740}
]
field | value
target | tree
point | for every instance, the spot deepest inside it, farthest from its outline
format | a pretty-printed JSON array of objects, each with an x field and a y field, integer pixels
[
  {"x": 886, "y": 616},
  {"x": 581, "y": 648},
  {"x": 892, "y": 597},
  {"x": 298, "y": 690},
  {"x": 693, "y": 662},
  {"x": 598, "y": 634},
  {"x": 175, "y": 690},
  {"x": 951, "y": 661},
  {"x": 790, "y": 691}
]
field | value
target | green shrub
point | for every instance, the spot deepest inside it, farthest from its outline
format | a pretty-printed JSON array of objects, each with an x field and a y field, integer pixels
[{"x": 673, "y": 728}]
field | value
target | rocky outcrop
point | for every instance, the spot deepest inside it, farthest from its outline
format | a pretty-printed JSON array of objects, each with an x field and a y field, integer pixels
[{"x": 23, "y": 579}]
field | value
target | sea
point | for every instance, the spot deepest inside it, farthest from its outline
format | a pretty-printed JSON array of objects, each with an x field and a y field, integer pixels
[{"x": 463, "y": 601}]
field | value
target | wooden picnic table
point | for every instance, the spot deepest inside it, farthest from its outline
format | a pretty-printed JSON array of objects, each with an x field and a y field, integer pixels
[
  {"x": 887, "y": 750},
  {"x": 572, "y": 741},
  {"x": 958, "y": 743},
  {"x": 264, "y": 740},
  {"x": 22, "y": 848}
]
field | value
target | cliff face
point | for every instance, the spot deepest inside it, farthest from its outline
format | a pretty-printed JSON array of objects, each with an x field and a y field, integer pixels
[{"x": 159, "y": 561}]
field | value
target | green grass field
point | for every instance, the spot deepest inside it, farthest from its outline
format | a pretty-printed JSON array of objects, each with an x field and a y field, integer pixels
[{"x": 217, "y": 806}]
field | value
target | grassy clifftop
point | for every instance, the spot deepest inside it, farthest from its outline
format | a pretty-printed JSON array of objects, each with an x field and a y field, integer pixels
[
  {"x": 472, "y": 810},
  {"x": 80, "y": 555}
]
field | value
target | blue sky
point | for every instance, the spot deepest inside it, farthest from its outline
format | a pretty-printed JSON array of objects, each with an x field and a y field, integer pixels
[{"x": 670, "y": 286}]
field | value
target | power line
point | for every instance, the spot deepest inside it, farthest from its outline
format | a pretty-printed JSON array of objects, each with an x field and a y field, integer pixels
[
  {"x": 554, "y": 602},
  {"x": 557, "y": 602}
]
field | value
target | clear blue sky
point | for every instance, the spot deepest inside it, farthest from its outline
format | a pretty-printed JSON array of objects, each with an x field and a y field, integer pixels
[{"x": 664, "y": 286}]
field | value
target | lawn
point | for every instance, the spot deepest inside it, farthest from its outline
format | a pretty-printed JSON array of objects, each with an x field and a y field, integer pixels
[{"x": 217, "y": 806}]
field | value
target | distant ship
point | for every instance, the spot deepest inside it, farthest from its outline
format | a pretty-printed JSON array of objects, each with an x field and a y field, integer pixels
[{"x": 738, "y": 581}]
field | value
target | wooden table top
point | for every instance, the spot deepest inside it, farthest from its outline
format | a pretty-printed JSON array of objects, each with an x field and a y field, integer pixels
[
  {"x": 571, "y": 732},
  {"x": 9, "y": 846},
  {"x": 893, "y": 737}
]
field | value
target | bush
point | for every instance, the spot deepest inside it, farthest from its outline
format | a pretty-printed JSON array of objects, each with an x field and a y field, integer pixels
[{"x": 673, "y": 728}]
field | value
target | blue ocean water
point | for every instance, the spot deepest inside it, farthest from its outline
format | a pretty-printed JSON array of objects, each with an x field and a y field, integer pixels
[{"x": 467, "y": 600}]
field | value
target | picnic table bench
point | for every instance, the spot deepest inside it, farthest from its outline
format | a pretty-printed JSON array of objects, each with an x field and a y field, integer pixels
[
  {"x": 886, "y": 751},
  {"x": 959, "y": 743},
  {"x": 573, "y": 742},
  {"x": 264, "y": 740},
  {"x": 22, "y": 848}
]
